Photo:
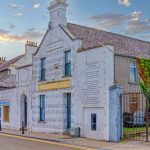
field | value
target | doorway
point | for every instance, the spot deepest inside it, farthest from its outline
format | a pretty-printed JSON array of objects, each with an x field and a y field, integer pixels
[
  {"x": 24, "y": 111},
  {"x": 0, "y": 113},
  {"x": 68, "y": 110}
]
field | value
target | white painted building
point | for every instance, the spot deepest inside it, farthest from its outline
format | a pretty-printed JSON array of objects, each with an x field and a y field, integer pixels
[
  {"x": 15, "y": 97},
  {"x": 70, "y": 87},
  {"x": 23, "y": 86},
  {"x": 64, "y": 83}
]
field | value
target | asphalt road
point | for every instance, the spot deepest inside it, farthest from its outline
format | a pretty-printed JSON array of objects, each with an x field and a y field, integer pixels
[{"x": 14, "y": 143}]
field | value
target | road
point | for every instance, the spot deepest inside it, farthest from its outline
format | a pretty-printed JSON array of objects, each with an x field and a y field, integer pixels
[{"x": 9, "y": 142}]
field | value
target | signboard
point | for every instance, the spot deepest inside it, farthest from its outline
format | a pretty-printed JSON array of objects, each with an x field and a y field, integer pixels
[{"x": 4, "y": 102}]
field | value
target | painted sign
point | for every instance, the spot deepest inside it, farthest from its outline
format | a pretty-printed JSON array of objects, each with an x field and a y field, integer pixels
[{"x": 4, "y": 102}]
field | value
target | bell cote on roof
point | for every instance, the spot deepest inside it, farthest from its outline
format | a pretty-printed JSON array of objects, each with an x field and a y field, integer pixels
[{"x": 57, "y": 10}]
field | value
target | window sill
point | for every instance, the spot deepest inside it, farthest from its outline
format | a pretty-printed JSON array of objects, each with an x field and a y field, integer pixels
[
  {"x": 135, "y": 83},
  {"x": 5, "y": 122},
  {"x": 42, "y": 80},
  {"x": 41, "y": 121},
  {"x": 68, "y": 76}
]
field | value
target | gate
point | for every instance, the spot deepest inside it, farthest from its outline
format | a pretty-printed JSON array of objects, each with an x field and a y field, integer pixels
[{"x": 135, "y": 116}]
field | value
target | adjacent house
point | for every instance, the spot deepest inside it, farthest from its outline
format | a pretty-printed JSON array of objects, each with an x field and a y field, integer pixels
[
  {"x": 8, "y": 93},
  {"x": 65, "y": 82},
  {"x": 15, "y": 89}
]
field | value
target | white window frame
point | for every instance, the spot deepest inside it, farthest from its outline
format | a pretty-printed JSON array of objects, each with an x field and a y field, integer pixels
[{"x": 133, "y": 66}]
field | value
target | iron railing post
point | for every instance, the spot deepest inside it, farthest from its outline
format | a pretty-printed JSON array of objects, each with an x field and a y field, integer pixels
[{"x": 147, "y": 120}]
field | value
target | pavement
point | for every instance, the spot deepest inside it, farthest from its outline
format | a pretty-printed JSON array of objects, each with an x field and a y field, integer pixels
[
  {"x": 22, "y": 143},
  {"x": 65, "y": 142}
]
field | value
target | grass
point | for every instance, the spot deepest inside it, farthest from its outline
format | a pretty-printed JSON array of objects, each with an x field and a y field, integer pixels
[{"x": 131, "y": 129}]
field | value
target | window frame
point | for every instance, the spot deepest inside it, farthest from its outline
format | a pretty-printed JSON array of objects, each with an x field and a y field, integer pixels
[
  {"x": 133, "y": 67},
  {"x": 67, "y": 64},
  {"x": 43, "y": 69},
  {"x": 93, "y": 124},
  {"x": 41, "y": 108}
]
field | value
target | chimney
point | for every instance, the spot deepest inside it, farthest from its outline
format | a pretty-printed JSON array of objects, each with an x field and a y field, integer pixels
[
  {"x": 2, "y": 60},
  {"x": 30, "y": 47},
  {"x": 57, "y": 10}
]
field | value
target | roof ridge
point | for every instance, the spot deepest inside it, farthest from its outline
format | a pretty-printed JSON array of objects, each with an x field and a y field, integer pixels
[
  {"x": 92, "y": 28},
  {"x": 5, "y": 66}
]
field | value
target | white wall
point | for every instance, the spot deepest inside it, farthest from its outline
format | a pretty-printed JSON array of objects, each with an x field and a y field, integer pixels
[
  {"x": 10, "y": 95},
  {"x": 56, "y": 42},
  {"x": 94, "y": 76}
]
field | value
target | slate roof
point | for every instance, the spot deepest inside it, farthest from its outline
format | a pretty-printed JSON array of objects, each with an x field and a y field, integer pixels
[
  {"x": 8, "y": 81},
  {"x": 6, "y": 65},
  {"x": 92, "y": 38}
]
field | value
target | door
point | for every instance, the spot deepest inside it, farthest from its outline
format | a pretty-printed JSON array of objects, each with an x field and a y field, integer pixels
[
  {"x": 0, "y": 113},
  {"x": 25, "y": 112},
  {"x": 68, "y": 110}
]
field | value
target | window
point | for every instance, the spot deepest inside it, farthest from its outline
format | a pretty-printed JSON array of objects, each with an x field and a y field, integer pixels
[
  {"x": 67, "y": 63},
  {"x": 42, "y": 71},
  {"x": 6, "y": 114},
  {"x": 93, "y": 122},
  {"x": 42, "y": 108},
  {"x": 133, "y": 72}
]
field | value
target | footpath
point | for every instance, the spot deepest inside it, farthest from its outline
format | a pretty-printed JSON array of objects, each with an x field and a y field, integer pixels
[{"x": 99, "y": 145}]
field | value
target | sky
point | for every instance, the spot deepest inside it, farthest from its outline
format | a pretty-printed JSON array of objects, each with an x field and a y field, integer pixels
[{"x": 22, "y": 20}]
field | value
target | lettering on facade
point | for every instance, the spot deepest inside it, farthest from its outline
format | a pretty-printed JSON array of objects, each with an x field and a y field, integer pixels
[
  {"x": 92, "y": 83},
  {"x": 3, "y": 102}
]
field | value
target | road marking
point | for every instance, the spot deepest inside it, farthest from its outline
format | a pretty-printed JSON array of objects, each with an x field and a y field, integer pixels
[{"x": 49, "y": 142}]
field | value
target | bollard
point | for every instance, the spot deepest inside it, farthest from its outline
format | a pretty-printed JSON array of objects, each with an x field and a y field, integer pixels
[
  {"x": 22, "y": 128},
  {"x": 0, "y": 126}
]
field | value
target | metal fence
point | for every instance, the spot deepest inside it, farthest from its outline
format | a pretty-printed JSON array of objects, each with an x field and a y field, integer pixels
[{"x": 136, "y": 116}]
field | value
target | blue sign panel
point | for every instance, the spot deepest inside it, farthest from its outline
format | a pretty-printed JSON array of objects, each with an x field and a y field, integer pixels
[{"x": 3, "y": 102}]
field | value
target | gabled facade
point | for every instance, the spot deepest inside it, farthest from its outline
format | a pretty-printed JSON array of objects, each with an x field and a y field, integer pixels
[{"x": 69, "y": 87}]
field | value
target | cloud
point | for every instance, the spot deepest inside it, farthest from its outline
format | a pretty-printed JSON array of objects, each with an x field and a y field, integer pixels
[
  {"x": 109, "y": 20},
  {"x": 36, "y": 6},
  {"x": 136, "y": 25},
  {"x": 15, "y": 6},
  {"x": 124, "y": 2},
  {"x": 133, "y": 21},
  {"x": 146, "y": 36},
  {"x": 18, "y": 14},
  {"x": 135, "y": 16},
  {"x": 30, "y": 34}
]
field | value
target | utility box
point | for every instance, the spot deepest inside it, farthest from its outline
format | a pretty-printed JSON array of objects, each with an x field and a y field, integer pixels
[{"x": 75, "y": 132}]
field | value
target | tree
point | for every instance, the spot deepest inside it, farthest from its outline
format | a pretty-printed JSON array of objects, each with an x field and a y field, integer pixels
[{"x": 143, "y": 65}]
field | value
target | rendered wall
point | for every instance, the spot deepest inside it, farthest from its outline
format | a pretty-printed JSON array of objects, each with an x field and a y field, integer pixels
[{"x": 94, "y": 76}]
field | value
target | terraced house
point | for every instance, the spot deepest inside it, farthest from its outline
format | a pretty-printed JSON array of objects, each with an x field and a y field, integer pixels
[{"x": 67, "y": 83}]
